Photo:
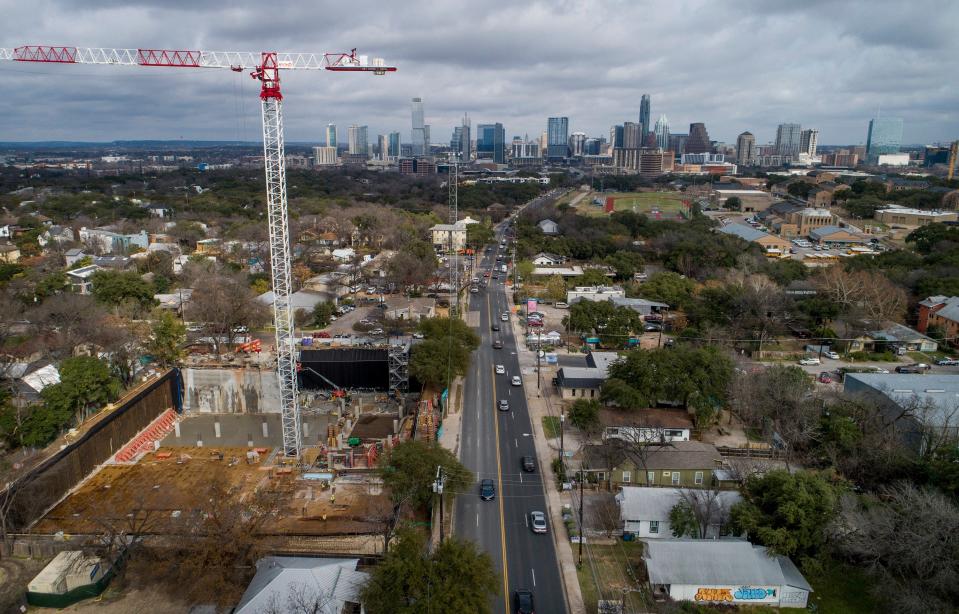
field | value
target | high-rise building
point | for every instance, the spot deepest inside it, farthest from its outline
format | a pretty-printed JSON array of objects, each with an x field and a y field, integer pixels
[
  {"x": 698, "y": 141},
  {"x": 808, "y": 141},
  {"x": 557, "y": 129},
  {"x": 885, "y": 137},
  {"x": 632, "y": 135},
  {"x": 464, "y": 148},
  {"x": 677, "y": 143},
  {"x": 543, "y": 144},
  {"x": 455, "y": 139},
  {"x": 788, "y": 140},
  {"x": 645, "y": 126},
  {"x": 616, "y": 134},
  {"x": 382, "y": 146},
  {"x": 359, "y": 141},
  {"x": 491, "y": 142},
  {"x": 393, "y": 149},
  {"x": 654, "y": 162},
  {"x": 331, "y": 135},
  {"x": 662, "y": 132},
  {"x": 419, "y": 139},
  {"x": 324, "y": 156},
  {"x": 592, "y": 147},
  {"x": 577, "y": 144},
  {"x": 523, "y": 148},
  {"x": 746, "y": 148}
]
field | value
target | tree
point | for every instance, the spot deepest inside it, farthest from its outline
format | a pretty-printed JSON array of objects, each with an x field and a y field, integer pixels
[
  {"x": 908, "y": 538},
  {"x": 799, "y": 188},
  {"x": 556, "y": 288},
  {"x": 927, "y": 237},
  {"x": 605, "y": 513},
  {"x": 223, "y": 305},
  {"x": 187, "y": 232},
  {"x": 734, "y": 203},
  {"x": 441, "y": 328},
  {"x": 478, "y": 235},
  {"x": 322, "y": 312},
  {"x": 435, "y": 362},
  {"x": 863, "y": 294},
  {"x": 697, "y": 512},
  {"x": 524, "y": 268},
  {"x": 584, "y": 414},
  {"x": 409, "y": 469},
  {"x": 592, "y": 277},
  {"x": 671, "y": 288},
  {"x": 787, "y": 512},
  {"x": 456, "y": 577},
  {"x": 116, "y": 287},
  {"x": 166, "y": 339}
]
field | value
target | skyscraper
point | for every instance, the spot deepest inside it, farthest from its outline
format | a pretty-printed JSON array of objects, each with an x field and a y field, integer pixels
[
  {"x": 633, "y": 135},
  {"x": 662, "y": 132},
  {"x": 331, "y": 135},
  {"x": 885, "y": 136},
  {"x": 677, "y": 143},
  {"x": 808, "y": 141},
  {"x": 577, "y": 143},
  {"x": 698, "y": 141},
  {"x": 382, "y": 144},
  {"x": 393, "y": 149},
  {"x": 557, "y": 129},
  {"x": 616, "y": 134},
  {"x": 465, "y": 145},
  {"x": 788, "y": 140},
  {"x": 746, "y": 148},
  {"x": 491, "y": 142},
  {"x": 359, "y": 142},
  {"x": 644, "y": 118},
  {"x": 419, "y": 139}
]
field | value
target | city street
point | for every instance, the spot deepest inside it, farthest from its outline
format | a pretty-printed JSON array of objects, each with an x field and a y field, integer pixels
[{"x": 493, "y": 444}]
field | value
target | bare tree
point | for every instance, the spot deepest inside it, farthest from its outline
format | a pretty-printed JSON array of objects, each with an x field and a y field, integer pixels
[
  {"x": 223, "y": 304},
  {"x": 300, "y": 598},
  {"x": 865, "y": 294},
  {"x": 707, "y": 509},
  {"x": 605, "y": 513}
]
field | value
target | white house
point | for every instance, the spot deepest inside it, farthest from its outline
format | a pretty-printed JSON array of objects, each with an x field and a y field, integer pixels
[
  {"x": 282, "y": 583},
  {"x": 594, "y": 293},
  {"x": 344, "y": 254},
  {"x": 723, "y": 571},
  {"x": 544, "y": 259},
  {"x": 441, "y": 234},
  {"x": 549, "y": 227},
  {"x": 73, "y": 255},
  {"x": 648, "y": 425},
  {"x": 81, "y": 280},
  {"x": 57, "y": 234},
  {"x": 644, "y": 510}
]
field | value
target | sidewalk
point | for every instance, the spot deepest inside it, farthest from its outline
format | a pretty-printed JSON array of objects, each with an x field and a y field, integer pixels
[{"x": 540, "y": 404}]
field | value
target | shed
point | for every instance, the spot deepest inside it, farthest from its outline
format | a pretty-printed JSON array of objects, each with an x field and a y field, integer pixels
[{"x": 70, "y": 577}]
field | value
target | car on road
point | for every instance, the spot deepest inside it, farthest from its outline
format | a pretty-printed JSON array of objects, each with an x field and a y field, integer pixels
[
  {"x": 500, "y": 370},
  {"x": 503, "y": 405},
  {"x": 504, "y": 317},
  {"x": 534, "y": 322},
  {"x": 494, "y": 326},
  {"x": 523, "y": 601},
  {"x": 516, "y": 381},
  {"x": 561, "y": 305},
  {"x": 825, "y": 377},
  {"x": 497, "y": 345},
  {"x": 528, "y": 463},
  {"x": 947, "y": 362},
  {"x": 918, "y": 367},
  {"x": 474, "y": 290},
  {"x": 652, "y": 327},
  {"x": 831, "y": 354},
  {"x": 487, "y": 491},
  {"x": 376, "y": 331},
  {"x": 810, "y": 360},
  {"x": 419, "y": 336},
  {"x": 537, "y": 522}
]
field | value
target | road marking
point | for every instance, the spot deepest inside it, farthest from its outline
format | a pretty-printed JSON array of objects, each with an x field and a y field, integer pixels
[
  {"x": 521, "y": 478},
  {"x": 502, "y": 515},
  {"x": 516, "y": 441},
  {"x": 477, "y": 520},
  {"x": 533, "y": 572},
  {"x": 526, "y": 520}
]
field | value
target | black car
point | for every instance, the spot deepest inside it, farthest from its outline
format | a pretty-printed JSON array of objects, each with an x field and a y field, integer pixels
[
  {"x": 494, "y": 326},
  {"x": 487, "y": 491},
  {"x": 523, "y": 599},
  {"x": 529, "y": 464}
]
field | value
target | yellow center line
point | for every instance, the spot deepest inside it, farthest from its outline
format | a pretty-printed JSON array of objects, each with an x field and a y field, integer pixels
[{"x": 499, "y": 473}]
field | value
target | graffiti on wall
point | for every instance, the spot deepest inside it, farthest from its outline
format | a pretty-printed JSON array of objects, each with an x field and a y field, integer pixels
[{"x": 743, "y": 593}]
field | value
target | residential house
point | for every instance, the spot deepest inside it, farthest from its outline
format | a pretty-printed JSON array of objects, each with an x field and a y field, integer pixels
[
  {"x": 726, "y": 571},
  {"x": 771, "y": 244},
  {"x": 924, "y": 407},
  {"x": 639, "y": 305},
  {"x": 107, "y": 241},
  {"x": 647, "y": 425},
  {"x": 644, "y": 511},
  {"x": 174, "y": 301},
  {"x": 334, "y": 283},
  {"x": 562, "y": 271},
  {"x": 160, "y": 211},
  {"x": 545, "y": 259},
  {"x": 7, "y": 231},
  {"x": 897, "y": 215},
  {"x": 56, "y": 234},
  {"x": 594, "y": 293},
  {"x": 81, "y": 280},
  {"x": 344, "y": 254},
  {"x": 941, "y": 312},
  {"x": 834, "y": 236},
  {"x": 442, "y": 234},
  {"x": 208, "y": 247},
  {"x": 73, "y": 255},
  {"x": 30, "y": 378},
  {"x": 684, "y": 464},
  {"x": 328, "y": 586},
  {"x": 9, "y": 253},
  {"x": 115, "y": 263},
  {"x": 411, "y": 309},
  {"x": 585, "y": 382},
  {"x": 549, "y": 227},
  {"x": 898, "y": 335}
]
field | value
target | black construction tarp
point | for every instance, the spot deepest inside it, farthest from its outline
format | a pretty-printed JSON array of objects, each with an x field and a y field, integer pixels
[{"x": 345, "y": 367}]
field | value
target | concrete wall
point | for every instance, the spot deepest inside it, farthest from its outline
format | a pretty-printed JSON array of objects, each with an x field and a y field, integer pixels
[{"x": 230, "y": 391}]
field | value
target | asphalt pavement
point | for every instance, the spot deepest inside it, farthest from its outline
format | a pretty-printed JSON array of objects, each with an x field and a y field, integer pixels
[{"x": 493, "y": 444}]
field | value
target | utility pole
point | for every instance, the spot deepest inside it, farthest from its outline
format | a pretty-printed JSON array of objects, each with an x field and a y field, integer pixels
[
  {"x": 438, "y": 489},
  {"x": 562, "y": 446},
  {"x": 582, "y": 485}
]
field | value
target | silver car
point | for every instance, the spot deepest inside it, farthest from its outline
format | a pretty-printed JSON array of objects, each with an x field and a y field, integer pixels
[{"x": 537, "y": 522}]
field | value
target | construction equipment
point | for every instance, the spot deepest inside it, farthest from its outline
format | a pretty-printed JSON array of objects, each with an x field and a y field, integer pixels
[{"x": 265, "y": 67}]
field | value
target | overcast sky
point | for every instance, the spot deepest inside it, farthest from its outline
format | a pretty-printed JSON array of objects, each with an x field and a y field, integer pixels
[{"x": 744, "y": 65}]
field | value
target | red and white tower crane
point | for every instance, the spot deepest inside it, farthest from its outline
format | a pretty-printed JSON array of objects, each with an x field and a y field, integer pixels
[{"x": 265, "y": 67}]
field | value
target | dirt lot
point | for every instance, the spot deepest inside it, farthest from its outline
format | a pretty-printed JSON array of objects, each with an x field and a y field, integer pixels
[{"x": 172, "y": 487}]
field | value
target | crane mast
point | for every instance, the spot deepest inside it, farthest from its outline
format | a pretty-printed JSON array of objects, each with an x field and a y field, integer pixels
[{"x": 266, "y": 69}]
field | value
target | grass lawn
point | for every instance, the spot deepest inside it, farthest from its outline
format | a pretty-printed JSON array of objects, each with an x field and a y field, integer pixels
[
  {"x": 669, "y": 204},
  {"x": 842, "y": 589},
  {"x": 551, "y": 427},
  {"x": 613, "y": 573}
]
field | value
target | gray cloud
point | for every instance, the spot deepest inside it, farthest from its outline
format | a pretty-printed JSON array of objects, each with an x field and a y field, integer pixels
[{"x": 736, "y": 66}]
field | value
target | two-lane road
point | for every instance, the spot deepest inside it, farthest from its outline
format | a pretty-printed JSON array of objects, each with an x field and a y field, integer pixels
[{"x": 493, "y": 444}]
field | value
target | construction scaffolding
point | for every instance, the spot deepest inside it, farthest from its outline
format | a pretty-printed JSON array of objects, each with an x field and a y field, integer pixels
[{"x": 399, "y": 366}]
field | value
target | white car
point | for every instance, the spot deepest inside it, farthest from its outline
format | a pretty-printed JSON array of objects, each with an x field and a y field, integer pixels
[
  {"x": 516, "y": 381},
  {"x": 831, "y": 355},
  {"x": 504, "y": 317},
  {"x": 500, "y": 370},
  {"x": 810, "y": 361},
  {"x": 537, "y": 522},
  {"x": 561, "y": 305}
]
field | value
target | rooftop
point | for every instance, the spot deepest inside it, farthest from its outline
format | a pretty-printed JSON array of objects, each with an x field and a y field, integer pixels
[
  {"x": 940, "y": 390},
  {"x": 280, "y": 579},
  {"x": 718, "y": 562},
  {"x": 677, "y": 455},
  {"x": 651, "y": 503},
  {"x": 747, "y": 233}
]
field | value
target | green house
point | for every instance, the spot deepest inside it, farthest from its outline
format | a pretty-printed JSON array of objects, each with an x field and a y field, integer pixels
[{"x": 682, "y": 464}]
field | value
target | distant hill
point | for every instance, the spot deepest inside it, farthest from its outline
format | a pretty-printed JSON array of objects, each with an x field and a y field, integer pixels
[{"x": 177, "y": 144}]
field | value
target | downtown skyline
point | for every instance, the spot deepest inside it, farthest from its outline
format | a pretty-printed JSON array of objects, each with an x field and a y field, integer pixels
[{"x": 518, "y": 66}]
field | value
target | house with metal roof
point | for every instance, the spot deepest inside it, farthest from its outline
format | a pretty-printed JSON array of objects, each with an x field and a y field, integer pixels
[
  {"x": 283, "y": 583},
  {"x": 644, "y": 511},
  {"x": 903, "y": 336},
  {"x": 723, "y": 571},
  {"x": 834, "y": 235},
  {"x": 941, "y": 312},
  {"x": 585, "y": 382},
  {"x": 683, "y": 464},
  {"x": 753, "y": 235}
]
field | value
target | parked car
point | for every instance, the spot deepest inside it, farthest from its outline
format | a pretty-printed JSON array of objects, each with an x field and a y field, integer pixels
[
  {"x": 537, "y": 522},
  {"x": 377, "y": 331},
  {"x": 918, "y": 367},
  {"x": 825, "y": 377},
  {"x": 516, "y": 381},
  {"x": 947, "y": 362},
  {"x": 418, "y": 336},
  {"x": 523, "y": 601},
  {"x": 810, "y": 360},
  {"x": 529, "y": 464},
  {"x": 321, "y": 334},
  {"x": 503, "y": 405},
  {"x": 500, "y": 370},
  {"x": 487, "y": 491},
  {"x": 652, "y": 327},
  {"x": 561, "y": 305},
  {"x": 831, "y": 354},
  {"x": 535, "y": 323}
]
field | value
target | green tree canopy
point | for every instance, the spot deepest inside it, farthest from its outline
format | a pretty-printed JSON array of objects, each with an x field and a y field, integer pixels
[
  {"x": 166, "y": 339},
  {"x": 440, "y": 328},
  {"x": 670, "y": 288},
  {"x": 787, "y": 512},
  {"x": 584, "y": 414},
  {"x": 435, "y": 362},
  {"x": 456, "y": 577},
  {"x": 117, "y": 287},
  {"x": 409, "y": 469},
  {"x": 322, "y": 312},
  {"x": 478, "y": 235},
  {"x": 682, "y": 520}
]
